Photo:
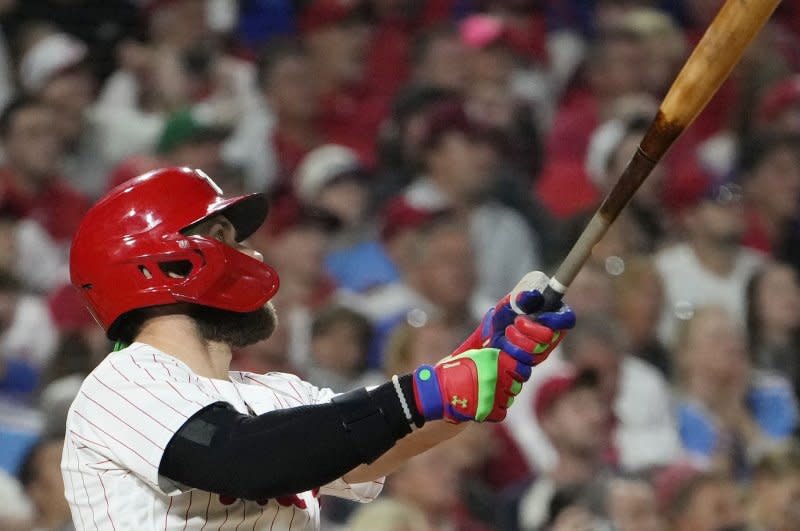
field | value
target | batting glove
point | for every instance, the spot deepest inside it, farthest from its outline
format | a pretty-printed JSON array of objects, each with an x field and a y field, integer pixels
[
  {"x": 527, "y": 336},
  {"x": 478, "y": 385},
  {"x": 480, "y": 379}
]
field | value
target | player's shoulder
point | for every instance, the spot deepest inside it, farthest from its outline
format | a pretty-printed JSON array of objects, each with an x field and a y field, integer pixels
[{"x": 137, "y": 362}]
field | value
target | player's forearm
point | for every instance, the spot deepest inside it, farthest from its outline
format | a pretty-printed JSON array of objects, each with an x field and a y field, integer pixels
[
  {"x": 286, "y": 451},
  {"x": 413, "y": 444}
]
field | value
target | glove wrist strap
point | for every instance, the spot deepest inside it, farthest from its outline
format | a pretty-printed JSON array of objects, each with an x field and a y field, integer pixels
[{"x": 427, "y": 393}]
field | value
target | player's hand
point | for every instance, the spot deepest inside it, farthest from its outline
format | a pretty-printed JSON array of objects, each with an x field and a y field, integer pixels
[
  {"x": 477, "y": 385},
  {"x": 529, "y": 338}
]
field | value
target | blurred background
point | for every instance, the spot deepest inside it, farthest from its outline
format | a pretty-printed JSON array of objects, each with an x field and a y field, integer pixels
[{"x": 421, "y": 156}]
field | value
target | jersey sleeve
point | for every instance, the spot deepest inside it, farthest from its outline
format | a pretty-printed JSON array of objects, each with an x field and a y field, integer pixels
[{"x": 130, "y": 407}]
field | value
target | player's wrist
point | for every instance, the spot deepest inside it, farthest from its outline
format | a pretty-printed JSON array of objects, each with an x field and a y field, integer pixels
[{"x": 428, "y": 393}]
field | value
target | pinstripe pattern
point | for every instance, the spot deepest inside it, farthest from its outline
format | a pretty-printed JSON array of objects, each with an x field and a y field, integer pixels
[{"x": 122, "y": 419}]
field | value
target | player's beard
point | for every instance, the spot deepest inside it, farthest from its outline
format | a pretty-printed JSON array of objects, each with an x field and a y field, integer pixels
[{"x": 237, "y": 329}]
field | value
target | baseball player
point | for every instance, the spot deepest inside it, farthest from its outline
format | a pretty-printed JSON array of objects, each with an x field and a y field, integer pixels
[{"x": 163, "y": 436}]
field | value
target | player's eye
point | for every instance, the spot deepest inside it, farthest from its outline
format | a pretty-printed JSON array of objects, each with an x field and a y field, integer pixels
[{"x": 218, "y": 233}]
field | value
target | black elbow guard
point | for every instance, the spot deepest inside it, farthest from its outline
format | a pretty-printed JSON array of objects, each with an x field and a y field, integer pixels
[
  {"x": 365, "y": 424},
  {"x": 289, "y": 450}
]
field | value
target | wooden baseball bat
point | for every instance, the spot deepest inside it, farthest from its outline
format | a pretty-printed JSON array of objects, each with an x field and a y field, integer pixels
[{"x": 721, "y": 47}]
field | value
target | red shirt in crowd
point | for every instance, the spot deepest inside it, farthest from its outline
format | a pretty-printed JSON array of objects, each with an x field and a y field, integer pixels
[
  {"x": 57, "y": 207},
  {"x": 352, "y": 117},
  {"x": 564, "y": 187},
  {"x": 289, "y": 154}
]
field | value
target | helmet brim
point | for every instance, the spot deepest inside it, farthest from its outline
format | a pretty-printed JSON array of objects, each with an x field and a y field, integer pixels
[{"x": 246, "y": 212}]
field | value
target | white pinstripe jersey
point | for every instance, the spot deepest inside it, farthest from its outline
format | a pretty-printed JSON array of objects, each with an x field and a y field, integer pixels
[{"x": 126, "y": 412}]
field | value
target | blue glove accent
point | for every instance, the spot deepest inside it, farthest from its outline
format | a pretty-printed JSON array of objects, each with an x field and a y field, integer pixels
[
  {"x": 496, "y": 321},
  {"x": 562, "y": 319},
  {"x": 523, "y": 357},
  {"x": 524, "y": 370},
  {"x": 528, "y": 301},
  {"x": 428, "y": 392},
  {"x": 454, "y": 414}
]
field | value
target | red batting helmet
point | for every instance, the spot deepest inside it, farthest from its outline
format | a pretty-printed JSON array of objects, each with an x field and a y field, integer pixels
[{"x": 132, "y": 237}]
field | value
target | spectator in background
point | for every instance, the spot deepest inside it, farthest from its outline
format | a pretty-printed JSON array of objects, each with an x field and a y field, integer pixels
[
  {"x": 439, "y": 60},
  {"x": 401, "y": 138},
  {"x": 490, "y": 100},
  {"x": 574, "y": 417},
  {"x": 56, "y": 68},
  {"x": 30, "y": 179},
  {"x": 182, "y": 65},
  {"x": 774, "y": 498},
  {"x": 638, "y": 299},
  {"x": 429, "y": 483},
  {"x": 295, "y": 240},
  {"x": 644, "y": 433},
  {"x": 779, "y": 108},
  {"x": 457, "y": 173},
  {"x": 612, "y": 69},
  {"x": 643, "y": 226},
  {"x": 73, "y": 359},
  {"x": 16, "y": 513},
  {"x": 269, "y": 142},
  {"x": 631, "y": 505},
  {"x": 102, "y": 24},
  {"x": 705, "y": 502},
  {"x": 769, "y": 170},
  {"x": 664, "y": 46},
  {"x": 592, "y": 291},
  {"x": 6, "y": 68},
  {"x": 729, "y": 414},
  {"x": 711, "y": 266},
  {"x": 642, "y": 428},
  {"x": 28, "y": 338},
  {"x": 340, "y": 339},
  {"x": 336, "y": 35},
  {"x": 28, "y": 251},
  {"x": 40, "y": 476},
  {"x": 411, "y": 345},
  {"x": 387, "y": 515},
  {"x": 773, "y": 321},
  {"x": 439, "y": 284},
  {"x": 332, "y": 179},
  {"x": 192, "y": 139}
]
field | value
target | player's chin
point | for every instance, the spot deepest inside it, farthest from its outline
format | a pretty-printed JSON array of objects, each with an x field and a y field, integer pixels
[{"x": 237, "y": 329}]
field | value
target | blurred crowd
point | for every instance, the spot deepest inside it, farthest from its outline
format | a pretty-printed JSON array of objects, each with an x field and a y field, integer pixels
[{"x": 421, "y": 156}]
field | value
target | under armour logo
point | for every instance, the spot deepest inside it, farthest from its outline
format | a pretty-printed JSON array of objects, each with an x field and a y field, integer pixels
[{"x": 459, "y": 401}]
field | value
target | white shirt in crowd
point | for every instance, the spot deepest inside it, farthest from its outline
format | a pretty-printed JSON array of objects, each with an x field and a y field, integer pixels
[
  {"x": 646, "y": 433},
  {"x": 689, "y": 285},
  {"x": 127, "y": 411}
]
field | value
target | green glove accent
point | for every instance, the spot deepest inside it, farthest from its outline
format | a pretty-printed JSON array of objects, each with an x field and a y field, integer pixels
[{"x": 485, "y": 360}]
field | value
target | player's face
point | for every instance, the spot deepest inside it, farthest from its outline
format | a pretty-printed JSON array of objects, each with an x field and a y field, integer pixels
[
  {"x": 237, "y": 329},
  {"x": 220, "y": 228}
]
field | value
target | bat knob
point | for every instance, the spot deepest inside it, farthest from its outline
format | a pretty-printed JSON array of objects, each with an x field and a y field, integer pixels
[
  {"x": 536, "y": 280},
  {"x": 552, "y": 299}
]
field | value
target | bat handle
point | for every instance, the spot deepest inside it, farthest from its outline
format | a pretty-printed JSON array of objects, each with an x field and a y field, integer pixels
[
  {"x": 552, "y": 299},
  {"x": 551, "y": 289}
]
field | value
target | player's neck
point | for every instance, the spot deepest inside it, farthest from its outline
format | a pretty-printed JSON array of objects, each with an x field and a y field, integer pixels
[{"x": 177, "y": 336}]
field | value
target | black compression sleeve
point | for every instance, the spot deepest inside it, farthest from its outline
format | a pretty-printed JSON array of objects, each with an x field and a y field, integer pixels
[{"x": 286, "y": 451}]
